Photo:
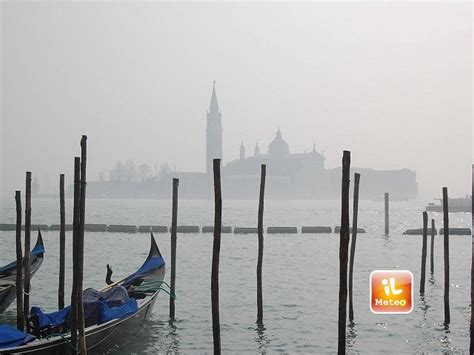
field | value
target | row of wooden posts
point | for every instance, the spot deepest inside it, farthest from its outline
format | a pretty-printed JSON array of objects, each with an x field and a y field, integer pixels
[
  {"x": 23, "y": 262},
  {"x": 346, "y": 262}
]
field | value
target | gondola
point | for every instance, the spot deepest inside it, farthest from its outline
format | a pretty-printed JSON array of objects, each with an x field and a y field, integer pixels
[
  {"x": 143, "y": 287},
  {"x": 8, "y": 274}
]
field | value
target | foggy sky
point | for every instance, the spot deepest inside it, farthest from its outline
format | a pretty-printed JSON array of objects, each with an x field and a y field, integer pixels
[{"x": 389, "y": 81}]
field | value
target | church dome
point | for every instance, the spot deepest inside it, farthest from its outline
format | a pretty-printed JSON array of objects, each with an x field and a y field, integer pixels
[{"x": 278, "y": 146}]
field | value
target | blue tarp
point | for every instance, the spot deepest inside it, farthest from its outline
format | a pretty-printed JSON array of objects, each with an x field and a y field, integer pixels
[
  {"x": 148, "y": 267},
  {"x": 53, "y": 319},
  {"x": 10, "y": 337},
  {"x": 38, "y": 249},
  {"x": 107, "y": 313}
]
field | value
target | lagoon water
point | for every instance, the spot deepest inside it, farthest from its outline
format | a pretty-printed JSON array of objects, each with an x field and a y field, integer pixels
[{"x": 300, "y": 276}]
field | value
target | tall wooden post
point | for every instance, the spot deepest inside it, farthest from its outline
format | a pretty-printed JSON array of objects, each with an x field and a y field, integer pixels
[
  {"x": 471, "y": 345},
  {"x": 447, "y": 315},
  {"x": 387, "y": 220},
  {"x": 26, "y": 259},
  {"x": 62, "y": 242},
  {"x": 423, "y": 252},
  {"x": 20, "y": 322},
  {"x": 75, "y": 237},
  {"x": 432, "y": 246},
  {"x": 353, "y": 243},
  {"x": 260, "y": 245},
  {"x": 216, "y": 247},
  {"x": 174, "y": 224},
  {"x": 80, "y": 244},
  {"x": 343, "y": 251}
]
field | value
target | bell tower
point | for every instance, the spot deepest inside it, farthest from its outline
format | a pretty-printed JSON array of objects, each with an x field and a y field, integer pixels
[{"x": 213, "y": 131}]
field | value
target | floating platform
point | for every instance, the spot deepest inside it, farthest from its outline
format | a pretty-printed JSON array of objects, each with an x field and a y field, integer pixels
[
  {"x": 316, "y": 229},
  {"x": 187, "y": 229},
  {"x": 457, "y": 231},
  {"x": 245, "y": 230},
  {"x": 7, "y": 227},
  {"x": 282, "y": 230},
  {"x": 210, "y": 229},
  {"x": 34, "y": 227},
  {"x": 419, "y": 231},
  {"x": 337, "y": 229},
  {"x": 155, "y": 229},
  {"x": 95, "y": 227},
  {"x": 122, "y": 228},
  {"x": 56, "y": 227}
]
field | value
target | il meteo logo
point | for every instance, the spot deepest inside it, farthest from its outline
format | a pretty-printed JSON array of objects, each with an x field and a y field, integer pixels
[{"x": 391, "y": 291}]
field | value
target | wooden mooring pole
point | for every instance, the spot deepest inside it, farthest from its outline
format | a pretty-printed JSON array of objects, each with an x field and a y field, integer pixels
[
  {"x": 20, "y": 322},
  {"x": 216, "y": 247},
  {"x": 174, "y": 226},
  {"x": 260, "y": 245},
  {"x": 432, "y": 246},
  {"x": 423, "y": 252},
  {"x": 75, "y": 237},
  {"x": 26, "y": 259},
  {"x": 62, "y": 242},
  {"x": 80, "y": 244},
  {"x": 387, "y": 219},
  {"x": 343, "y": 251},
  {"x": 447, "y": 315},
  {"x": 355, "y": 210}
]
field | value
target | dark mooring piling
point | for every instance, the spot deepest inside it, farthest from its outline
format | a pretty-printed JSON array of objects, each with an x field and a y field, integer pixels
[
  {"x": 216, "y": 247},
  {"x": 26, "y": 259},
  {"x": 447, "y": 314},
  {"x": 387, "y": 219},
  {"x": 423, "y": 252},
  {"x": 75, "y": 232},
  {"x": 20, "y": 323},
  {"x": 343, "y": 251},
  {"x": 80, "y": 256},
  {"x": 174, "y": 225},
  {"x": 62, "y": 242},
  {"x": 260, "y": 245},
  {"x": 355, "y": 211},
  {"x": 432, "y": 246}
]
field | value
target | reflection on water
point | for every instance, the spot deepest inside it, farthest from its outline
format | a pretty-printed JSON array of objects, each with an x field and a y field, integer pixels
[
  {"x": 351, "y": 335},
  {"x": 261, "y": 339}
]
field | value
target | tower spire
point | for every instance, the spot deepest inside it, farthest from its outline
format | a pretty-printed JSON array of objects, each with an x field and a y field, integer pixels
[{"x": 214, "y": 105}]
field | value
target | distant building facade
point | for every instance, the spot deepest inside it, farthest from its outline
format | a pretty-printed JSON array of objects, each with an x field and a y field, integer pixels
[{"x": 289, "y": 175}]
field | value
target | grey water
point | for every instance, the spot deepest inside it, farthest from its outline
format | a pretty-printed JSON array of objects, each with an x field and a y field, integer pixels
[{"x": 300, "y": 276}]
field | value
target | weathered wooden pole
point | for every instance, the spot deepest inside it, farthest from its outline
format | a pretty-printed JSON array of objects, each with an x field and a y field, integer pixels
[
  {"x": 260, "y": 245},
  {"x": 432, "y": 246},
  {"x": 387, "y": 219},
  {"x": 75, "y": 233},
  {"x": 216, "y": 247},
  {"x": 20, "y": 321},
  {"x": 447, "y": 315},
  {"x": 343, "y": 251},
  {"x": 62, "y": 242},
  {"x": 423, "y": 252},
  {"x": 353, "y": 242},
  {"x": 174, "y": 225},
  {"x": 80, "y": 244},
  {"x": 26, "y": 259}
]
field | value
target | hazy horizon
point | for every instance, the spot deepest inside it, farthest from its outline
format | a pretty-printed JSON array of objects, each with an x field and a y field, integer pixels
[{"x": 391, "y": 82}]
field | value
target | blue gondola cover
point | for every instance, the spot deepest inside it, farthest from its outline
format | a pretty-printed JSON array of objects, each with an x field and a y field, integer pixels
[
  {"x": 10, "y": 337},
  {"x": 107, "y": 313},
  {"x": 53, "y": 319}
]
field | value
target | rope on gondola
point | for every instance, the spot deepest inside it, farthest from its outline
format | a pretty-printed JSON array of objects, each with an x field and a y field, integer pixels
[
  {"x": 68, "y": 342},
  {"x": 153, "y": 286}
]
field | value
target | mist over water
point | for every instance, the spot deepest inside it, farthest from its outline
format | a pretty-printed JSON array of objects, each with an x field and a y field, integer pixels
[{"x": 300, "y": 276}]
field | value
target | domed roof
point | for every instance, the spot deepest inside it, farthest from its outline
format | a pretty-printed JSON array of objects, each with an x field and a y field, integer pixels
[{"x": 278, "y": 146}]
